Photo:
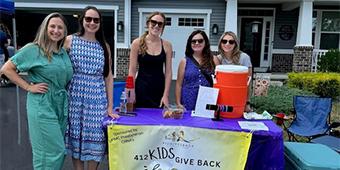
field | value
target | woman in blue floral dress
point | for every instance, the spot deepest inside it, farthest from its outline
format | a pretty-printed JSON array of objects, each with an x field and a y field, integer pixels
[{"x": 90, "y": 91}]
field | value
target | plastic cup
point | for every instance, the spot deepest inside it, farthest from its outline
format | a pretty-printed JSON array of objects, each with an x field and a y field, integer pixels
[{"x": 129, "y": 82}]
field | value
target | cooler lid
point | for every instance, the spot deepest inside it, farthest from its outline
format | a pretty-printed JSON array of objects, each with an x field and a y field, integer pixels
[
  {"x": 312, "y": 156},
  {"x": 231, "y": 68}
]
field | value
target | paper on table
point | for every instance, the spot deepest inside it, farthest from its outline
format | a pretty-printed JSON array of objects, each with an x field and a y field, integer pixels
[
  {"x": 253, "y": 125},
  {"x": 206, "y": 95}
]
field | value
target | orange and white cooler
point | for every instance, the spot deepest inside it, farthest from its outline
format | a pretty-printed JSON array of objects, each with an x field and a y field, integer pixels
[{"x": 232, "y": 82}]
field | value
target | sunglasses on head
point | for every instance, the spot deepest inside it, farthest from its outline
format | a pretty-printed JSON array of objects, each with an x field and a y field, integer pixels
[
  {"x": 154, "y": 23},
  {"x": 89, "y": 19},
  {"x": 199, "y": 41},
  {"x": 231, "y": 42}
]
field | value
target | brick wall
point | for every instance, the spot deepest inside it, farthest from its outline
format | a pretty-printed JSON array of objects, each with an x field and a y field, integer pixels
[
  {"x": 282, "y": 63},
  {"x": 302, "y": 59},
  {"x": 122, "y": 63}
]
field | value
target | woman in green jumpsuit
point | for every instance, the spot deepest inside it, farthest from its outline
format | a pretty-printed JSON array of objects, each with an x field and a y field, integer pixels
[{"x": 49, "y": 70}]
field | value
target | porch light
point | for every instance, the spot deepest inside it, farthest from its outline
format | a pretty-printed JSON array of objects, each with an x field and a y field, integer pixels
[
  {"x": 215, "y": 29},
  {"x": 120, "y": 26},
  {"x": 255, "y": 26}
]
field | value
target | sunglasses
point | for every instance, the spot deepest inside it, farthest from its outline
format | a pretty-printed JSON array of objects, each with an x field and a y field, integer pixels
[
  {"x": 231, "y": 42},
  {"x": 154, "y": 23},
  {"x": 89, "y": 19},
  {"x": 199, "y": 41}
]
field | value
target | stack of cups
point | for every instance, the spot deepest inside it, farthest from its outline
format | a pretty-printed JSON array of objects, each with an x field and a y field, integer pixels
[{"x": 129, "y": 87}]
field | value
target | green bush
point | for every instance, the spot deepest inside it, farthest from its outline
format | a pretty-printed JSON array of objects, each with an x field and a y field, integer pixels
[
  {"x": 322, "y": 84},
  {"x": 330, "y": 62},
  {"x": 279, "y": 99}
]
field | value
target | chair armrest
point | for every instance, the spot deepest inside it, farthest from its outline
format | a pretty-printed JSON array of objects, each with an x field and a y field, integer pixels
[{"x": 334, "y": 125}]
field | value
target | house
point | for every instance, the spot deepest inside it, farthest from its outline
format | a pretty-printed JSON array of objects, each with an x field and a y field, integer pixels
[{"x": 279, "y": 35}]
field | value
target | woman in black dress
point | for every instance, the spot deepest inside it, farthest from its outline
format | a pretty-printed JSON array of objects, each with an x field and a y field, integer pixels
[{"x": 153, "y": 55}]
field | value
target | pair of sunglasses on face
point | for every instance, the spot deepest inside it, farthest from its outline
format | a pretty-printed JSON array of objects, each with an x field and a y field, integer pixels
[
  {"x": 89, "y": 19},
  {"x": 231, "y": 42},
  {"x": 154, "y": 23},
  {"x": 199, "y": 41}
]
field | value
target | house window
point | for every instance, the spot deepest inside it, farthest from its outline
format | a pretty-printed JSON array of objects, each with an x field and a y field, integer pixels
[
  {"x": 326, "y": 29},
  {"x": 191, "y": 22},
  {"x": 314, "y": 21},
  {"x": 330, "y": 30},
  {"x": 329, "y": 41},
  {"x": 168, "y": 21},
  {"x": 330, "y": 21}
]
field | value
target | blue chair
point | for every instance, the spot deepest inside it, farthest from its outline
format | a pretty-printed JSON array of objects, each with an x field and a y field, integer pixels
[
  {"x": 311, "y": 117},
  {"x": 330, "y": 139}
]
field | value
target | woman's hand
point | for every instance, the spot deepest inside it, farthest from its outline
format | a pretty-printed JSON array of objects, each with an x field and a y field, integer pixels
[
  {"x": 164, "y": 101},
  {"x": 111, "y": 114},
  {"x": 37, "y": 88},
  {"x": 180, "y": 106},
  {"x": 131, "y": 96}
]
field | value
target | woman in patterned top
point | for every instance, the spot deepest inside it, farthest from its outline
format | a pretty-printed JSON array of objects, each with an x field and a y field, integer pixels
[
  {"x": 90, "y": 91},
  {"x": 194, "y": 70},
  {"x": 49, "y": 70}
]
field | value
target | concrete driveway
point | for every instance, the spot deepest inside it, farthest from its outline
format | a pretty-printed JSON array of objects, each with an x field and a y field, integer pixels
[{"x": 15, "y": 149}]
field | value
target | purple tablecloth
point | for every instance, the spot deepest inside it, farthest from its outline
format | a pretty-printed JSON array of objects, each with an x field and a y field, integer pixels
[{"x": 266, "y": 149}]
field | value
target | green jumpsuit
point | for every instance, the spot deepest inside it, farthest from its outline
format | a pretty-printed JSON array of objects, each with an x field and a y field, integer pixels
[{"x": 47, "y": 113}]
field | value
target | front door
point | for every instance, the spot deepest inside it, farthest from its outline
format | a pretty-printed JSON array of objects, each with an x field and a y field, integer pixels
[
  {"x": 251, "y": 39},
  {"x": 257, "y": 43}
]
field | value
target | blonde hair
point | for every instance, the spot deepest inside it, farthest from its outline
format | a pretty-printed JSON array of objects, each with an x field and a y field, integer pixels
[
  {"x": 142, "y": 45},
  {"x": 42, "y": 39},
  {"x": 235, "y": 55}
]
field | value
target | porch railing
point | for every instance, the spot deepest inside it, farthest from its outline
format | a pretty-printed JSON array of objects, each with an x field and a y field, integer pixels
[{"x": 317, "y": 54}]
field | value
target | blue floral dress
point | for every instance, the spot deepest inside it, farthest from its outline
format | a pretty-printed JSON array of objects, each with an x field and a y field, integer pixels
[
  {"x": 85, "y": 139},
  {"x": 193, "y": 78}
]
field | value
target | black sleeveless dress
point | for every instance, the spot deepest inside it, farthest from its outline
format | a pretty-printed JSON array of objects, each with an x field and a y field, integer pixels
[{"x": 150, "y": 80}]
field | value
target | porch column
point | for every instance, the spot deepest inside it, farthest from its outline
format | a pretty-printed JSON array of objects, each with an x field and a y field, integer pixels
[
  {"x": 231, "y": 16},
  {"x": 304, "y": 33},
  {"x": 303, "y": 49}
]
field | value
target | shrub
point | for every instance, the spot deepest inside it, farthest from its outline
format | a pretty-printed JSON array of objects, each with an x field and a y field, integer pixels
[
  {"x": 322, "y": 84},
  {"x": 278, "y": 99},
  {"x": 330, "y": 62}
]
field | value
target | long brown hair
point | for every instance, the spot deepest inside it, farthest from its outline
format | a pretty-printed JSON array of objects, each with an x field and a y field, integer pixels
[
  {"x": 208, "y": 58},
  {"x": 142, "y": 45},
  {"x": 42, "y": 39},
  {"x": 235, "y": 55},
  {"x": 99, "y": 36}
]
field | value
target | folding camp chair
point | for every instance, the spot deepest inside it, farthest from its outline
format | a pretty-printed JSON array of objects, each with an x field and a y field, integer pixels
[
  {"x": 310, "y": 118},
  {"x": 328, "y": 139}
]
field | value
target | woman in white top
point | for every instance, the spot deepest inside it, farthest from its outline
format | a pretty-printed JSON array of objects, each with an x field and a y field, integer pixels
[
  {"x": 229, "y": 49},
  {"x": 230, "y": 53}
]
